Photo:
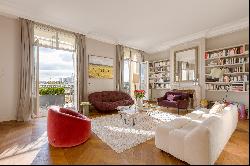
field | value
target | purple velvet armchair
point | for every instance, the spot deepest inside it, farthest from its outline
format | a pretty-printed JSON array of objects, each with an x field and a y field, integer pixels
[
  {"x": 110, "y": 100},
  {"x": 177, "y": 100}
]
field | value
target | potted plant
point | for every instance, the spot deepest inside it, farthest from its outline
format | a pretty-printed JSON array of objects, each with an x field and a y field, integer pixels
[{"x": 52, "y": 96}]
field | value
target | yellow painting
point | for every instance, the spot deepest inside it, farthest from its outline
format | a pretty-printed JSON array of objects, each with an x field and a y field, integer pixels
[{"x": 100, "y": 71}]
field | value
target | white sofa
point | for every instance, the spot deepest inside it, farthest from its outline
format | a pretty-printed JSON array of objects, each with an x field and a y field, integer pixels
[{"x": 199, "y": 137}]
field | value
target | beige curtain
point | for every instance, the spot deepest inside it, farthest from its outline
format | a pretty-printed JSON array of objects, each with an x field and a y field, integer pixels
[
  {"x": 25, "y": 105},
  {"x": 119, "y": 66},
  {"x": 82, "y": 70}
]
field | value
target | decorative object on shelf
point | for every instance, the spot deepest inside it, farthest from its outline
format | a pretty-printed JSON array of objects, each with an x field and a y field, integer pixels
[
  {"x": 204, "y": 103},
  {"x": 85, "y": 108},
  {"x": 139, "y": 95},
  {"x": 226, "y": 79},
  {"x": 159, "y": 76},
  {"x": 216, "y": 73},
  {"x": 233, "y": 61}
]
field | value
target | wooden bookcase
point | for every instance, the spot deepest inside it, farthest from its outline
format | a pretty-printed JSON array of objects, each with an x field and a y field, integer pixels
[{"x": 234, "y": 61}]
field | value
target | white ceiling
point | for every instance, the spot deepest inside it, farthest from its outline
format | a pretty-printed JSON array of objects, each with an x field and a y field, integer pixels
[{"x": 149, "y": 25}]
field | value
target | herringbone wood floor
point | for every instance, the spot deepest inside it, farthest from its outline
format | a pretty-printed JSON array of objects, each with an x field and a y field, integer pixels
[{"x": 26, "y": 143}]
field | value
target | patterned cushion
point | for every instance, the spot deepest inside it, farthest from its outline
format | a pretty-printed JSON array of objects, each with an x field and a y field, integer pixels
[{"x": 170, "y": 97}]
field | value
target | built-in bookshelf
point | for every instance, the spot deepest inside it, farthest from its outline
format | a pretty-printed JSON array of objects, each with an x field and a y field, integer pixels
[
  {"x": 159, "y": 74},
  {"x": 230, "y": 62}
]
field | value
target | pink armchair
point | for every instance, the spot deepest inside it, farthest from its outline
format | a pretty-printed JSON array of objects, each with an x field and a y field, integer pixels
[{"x": 67, "y": 128}]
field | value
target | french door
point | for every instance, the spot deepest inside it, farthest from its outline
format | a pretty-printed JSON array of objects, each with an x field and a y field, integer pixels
[
  {"x": 51, "y": 72},
  {"x": 131, "y": 68}
]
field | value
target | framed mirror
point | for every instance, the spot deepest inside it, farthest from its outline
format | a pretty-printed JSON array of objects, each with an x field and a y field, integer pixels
[{"x": 186, "y": 65}]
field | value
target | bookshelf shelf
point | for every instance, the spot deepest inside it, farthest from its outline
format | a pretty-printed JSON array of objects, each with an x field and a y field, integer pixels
[
  {"x": 159, "y": 74},
  {"x": 234, "y": 62}
]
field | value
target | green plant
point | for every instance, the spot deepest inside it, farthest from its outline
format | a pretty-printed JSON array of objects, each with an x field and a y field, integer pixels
[
  {"x": 139, "y": 94},
  {"x": 51, "y": 90}
]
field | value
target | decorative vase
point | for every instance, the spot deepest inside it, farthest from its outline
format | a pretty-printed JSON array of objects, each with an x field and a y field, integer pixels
[{"x": 139, "y": 103}]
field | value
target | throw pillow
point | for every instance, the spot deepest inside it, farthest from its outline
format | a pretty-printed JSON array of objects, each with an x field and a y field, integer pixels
[
  {"x": 170, "y": 97},
  {"x": 217, "y": 107}
]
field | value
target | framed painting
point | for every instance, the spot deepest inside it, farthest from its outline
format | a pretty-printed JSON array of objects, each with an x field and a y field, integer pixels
[{"x": 100, "y": 67}]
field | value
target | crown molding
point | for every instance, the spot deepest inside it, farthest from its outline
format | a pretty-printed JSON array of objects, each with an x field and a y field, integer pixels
[
  {"x": 11, "y": 12},
  {"x": 101, "y": 38},
  {"x": 228, "y": 28},
  {"x": 8, "y": 10},
  {"x": 208, "y": 33}
]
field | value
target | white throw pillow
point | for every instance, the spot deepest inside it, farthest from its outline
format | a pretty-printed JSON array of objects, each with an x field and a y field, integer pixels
[{"x": 217, "y": 107}]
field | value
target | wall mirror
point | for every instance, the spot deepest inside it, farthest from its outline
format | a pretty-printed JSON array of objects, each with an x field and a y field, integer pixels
[{"x": 186, "y": 65}]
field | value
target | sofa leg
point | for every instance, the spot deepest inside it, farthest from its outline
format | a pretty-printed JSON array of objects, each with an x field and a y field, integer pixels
[
  {"x": 178, "y": 111},
  {"x": 187, "y": 110}
]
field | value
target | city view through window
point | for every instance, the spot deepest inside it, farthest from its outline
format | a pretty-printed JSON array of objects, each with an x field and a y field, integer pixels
[{"x": 56, "y": 78}]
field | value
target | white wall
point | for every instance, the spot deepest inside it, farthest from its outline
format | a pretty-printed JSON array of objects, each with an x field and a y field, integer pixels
[
  {"x": 94, "y": 47},
  {"x": 9, "y": 67},
  {"x": 231, "y": 39}
]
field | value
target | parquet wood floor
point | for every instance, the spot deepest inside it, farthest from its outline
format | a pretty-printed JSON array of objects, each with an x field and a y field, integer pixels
[{"x": 26, "y": 143}]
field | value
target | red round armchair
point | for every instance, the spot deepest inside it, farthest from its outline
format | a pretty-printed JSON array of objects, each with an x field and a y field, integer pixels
[{"x": 67, "y": 128}]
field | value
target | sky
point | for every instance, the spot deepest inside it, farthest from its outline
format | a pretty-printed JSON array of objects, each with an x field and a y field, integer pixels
[{"x": 54, "y": 64}]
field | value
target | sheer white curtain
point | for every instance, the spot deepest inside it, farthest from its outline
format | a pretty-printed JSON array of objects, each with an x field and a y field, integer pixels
[
  {"x": 26, "y": 106},
  {"x": 51, "y": 37}
]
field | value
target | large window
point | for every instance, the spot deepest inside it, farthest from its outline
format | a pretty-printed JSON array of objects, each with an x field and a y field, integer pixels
[
  {"x": 133, "y": 68},
  {"x": 55, "y": 68}
]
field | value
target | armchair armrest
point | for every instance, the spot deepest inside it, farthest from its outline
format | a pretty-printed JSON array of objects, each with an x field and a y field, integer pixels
[
  {"x": 182, "y": 103},
  {"x": 160, "y": 99}
]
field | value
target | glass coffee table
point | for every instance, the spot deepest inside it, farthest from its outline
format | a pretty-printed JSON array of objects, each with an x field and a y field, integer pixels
[{"x": 130, "y": 113}]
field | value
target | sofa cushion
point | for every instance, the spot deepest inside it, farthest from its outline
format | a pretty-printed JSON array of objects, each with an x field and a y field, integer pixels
[
  {"x": 177, "y": 97},
  {"x": 170, "y": 103},
  {"x": 217, "y": 107},
  {"x": 170, "y": 97}
]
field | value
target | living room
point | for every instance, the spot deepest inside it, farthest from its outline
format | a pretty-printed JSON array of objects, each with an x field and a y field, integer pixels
[{"x": 124, "y": 82}]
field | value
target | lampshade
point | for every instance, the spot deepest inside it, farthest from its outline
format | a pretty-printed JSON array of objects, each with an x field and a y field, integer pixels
[{"x": 135, "y": 78}]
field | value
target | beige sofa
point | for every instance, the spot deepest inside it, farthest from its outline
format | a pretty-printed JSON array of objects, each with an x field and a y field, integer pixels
[{"x": 199, "y": 137}]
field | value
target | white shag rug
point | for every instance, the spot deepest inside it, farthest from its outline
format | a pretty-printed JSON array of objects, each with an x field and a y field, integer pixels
[{"x": 112, "y": 130}]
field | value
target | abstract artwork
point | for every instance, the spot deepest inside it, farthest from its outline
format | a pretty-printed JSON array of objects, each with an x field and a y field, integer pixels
[{"x": 100, "y": 67}]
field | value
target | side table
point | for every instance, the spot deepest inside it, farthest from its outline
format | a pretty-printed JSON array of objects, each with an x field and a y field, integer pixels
[{"x": 85, "y": 110}]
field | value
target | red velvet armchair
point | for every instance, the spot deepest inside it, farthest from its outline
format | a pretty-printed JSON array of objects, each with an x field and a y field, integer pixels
[
  {"x": 177, "y": 100},
  {"x": 67, "y": 128}
]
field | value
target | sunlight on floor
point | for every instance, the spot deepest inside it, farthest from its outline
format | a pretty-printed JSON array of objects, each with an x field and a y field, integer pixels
[
  {"x": 130, "y": 130},
  {"x": 23, "y": 154}
]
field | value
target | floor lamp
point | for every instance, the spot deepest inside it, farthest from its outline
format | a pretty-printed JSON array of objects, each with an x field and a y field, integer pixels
[{"x": 135, "y": 79}]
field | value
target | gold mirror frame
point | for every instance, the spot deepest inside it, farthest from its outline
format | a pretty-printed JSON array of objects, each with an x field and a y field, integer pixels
[{"x": 196, "y": 64}]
